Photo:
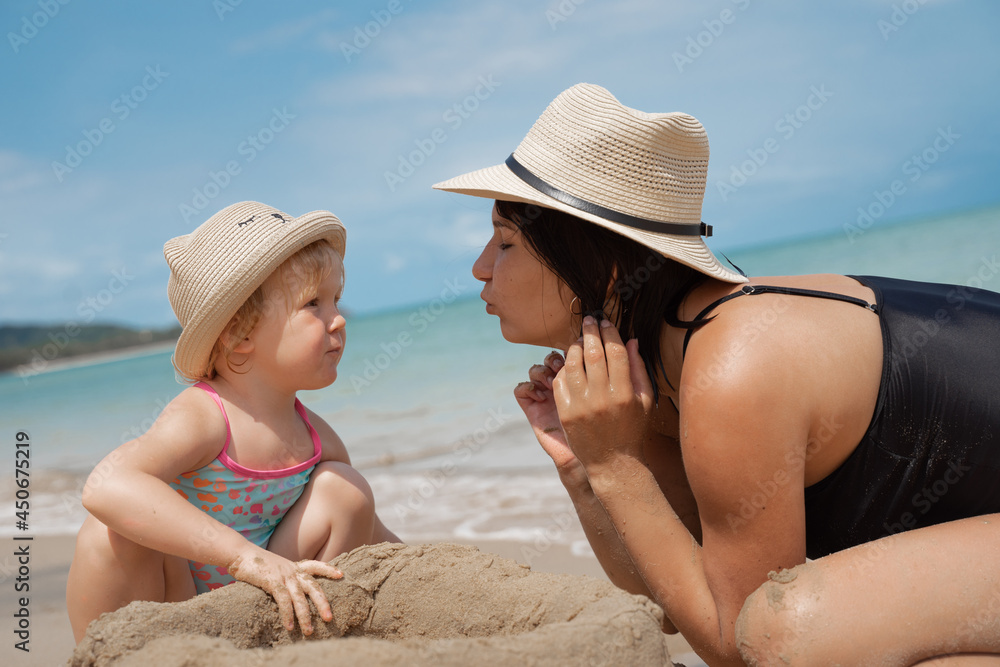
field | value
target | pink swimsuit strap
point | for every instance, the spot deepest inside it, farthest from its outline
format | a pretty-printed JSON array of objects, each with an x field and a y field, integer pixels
[{"x": 225, "y": 460}]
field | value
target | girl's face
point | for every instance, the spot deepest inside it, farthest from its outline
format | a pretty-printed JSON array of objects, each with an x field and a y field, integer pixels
[
  {"x": 533, "y": 305},
  {"x": 299, "y": 344}
]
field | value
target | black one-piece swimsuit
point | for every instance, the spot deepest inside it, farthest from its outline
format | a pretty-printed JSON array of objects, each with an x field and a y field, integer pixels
[{"x": 932, "y": 451}]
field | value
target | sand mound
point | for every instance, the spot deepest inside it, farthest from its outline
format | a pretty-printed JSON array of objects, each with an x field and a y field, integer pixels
[{"x": 440, "y": 604}]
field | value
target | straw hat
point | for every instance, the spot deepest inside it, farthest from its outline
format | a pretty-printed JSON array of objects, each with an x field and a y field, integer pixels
[
  {"x": 639, "y": 174},
  {"x": 215, "y": 268}
]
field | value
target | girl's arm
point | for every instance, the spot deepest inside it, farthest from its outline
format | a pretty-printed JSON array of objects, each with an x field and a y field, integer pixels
[
  {"x": 732, "y": 438},
  {"x": 129, "y": 492}
]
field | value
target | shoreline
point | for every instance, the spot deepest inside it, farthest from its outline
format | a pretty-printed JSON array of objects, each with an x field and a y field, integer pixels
[
  {"x": 51, "y": 637},
  {"x": 93, "y": 358}
]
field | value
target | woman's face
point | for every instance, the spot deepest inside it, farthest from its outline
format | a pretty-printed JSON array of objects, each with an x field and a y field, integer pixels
[{"x": 533, "y": 306}]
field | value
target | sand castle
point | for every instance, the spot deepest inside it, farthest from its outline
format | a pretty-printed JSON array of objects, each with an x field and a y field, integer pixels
[{"x": 441, "y": 604}]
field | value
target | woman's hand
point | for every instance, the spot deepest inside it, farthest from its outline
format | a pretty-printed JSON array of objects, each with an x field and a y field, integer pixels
[
  {"x": 536, "y": 400},
  {"x": 288, "y": 583},
  {"x": 603, "y": 395}
]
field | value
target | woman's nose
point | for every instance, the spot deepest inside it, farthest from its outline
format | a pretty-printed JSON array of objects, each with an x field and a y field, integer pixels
[{"x": 482, "y": 268}]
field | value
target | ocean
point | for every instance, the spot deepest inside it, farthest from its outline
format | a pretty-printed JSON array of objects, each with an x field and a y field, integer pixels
[{"x": 428, "y": 416}]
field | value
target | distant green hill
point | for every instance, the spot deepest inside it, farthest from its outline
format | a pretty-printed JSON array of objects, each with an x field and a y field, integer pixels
[{"x": 35, "y": 346}]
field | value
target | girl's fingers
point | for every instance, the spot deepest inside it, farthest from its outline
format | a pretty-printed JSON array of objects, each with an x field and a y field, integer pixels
[
  {"x": 318, "y": 568},
  {"x": 318, "y": 598},
  {"x": 302, "y": 610},
  {"x": 286, "y": 610}
]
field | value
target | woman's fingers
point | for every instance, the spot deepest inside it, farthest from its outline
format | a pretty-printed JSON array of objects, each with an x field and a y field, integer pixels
[
  {"x": 541, "y": 375},
  {"x": 593, "y": 352},
  {"x": 555, "y": 361},
  {"x": 642, "y": 384},
  {"x": 617, "y": 357}
]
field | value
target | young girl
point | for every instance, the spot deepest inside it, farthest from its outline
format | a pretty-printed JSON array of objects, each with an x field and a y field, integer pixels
[{"x": 236, "y": 480}]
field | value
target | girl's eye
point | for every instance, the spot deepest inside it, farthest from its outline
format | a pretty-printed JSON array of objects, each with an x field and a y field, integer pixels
[
  {"x": 312, "y": 303},
  {"x": 504, "y": 246}
]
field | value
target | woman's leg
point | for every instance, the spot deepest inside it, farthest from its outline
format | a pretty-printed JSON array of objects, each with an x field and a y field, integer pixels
[
  {"x": 910, "y": 597},
  {"x": 109, "y": 571},
  {"x": 334, "y": 514}
]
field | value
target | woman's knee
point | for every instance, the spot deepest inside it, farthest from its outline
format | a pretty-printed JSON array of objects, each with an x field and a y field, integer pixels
[
  {"x": 339, "y": 483},
  {"x": 778, "y": 620}
]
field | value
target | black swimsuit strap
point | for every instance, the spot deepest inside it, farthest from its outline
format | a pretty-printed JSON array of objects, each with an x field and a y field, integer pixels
[{"x": 765, "y": 289}]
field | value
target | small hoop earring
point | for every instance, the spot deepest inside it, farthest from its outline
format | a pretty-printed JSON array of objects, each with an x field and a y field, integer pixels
[{"x": 575, "y": 299}]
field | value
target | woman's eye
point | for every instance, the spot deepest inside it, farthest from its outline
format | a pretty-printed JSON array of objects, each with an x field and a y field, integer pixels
[{"x": 504, "y": 246}]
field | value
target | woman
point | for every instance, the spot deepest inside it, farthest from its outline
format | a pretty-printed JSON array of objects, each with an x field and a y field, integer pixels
[{"x": 746, "y": 424}]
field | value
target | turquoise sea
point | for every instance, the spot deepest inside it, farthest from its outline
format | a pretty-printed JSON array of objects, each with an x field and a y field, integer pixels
[{"x": 430, "y": 421}]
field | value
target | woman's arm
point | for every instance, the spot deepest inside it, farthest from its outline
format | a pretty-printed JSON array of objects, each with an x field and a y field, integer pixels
[
  {"x": 129, "y": 492},
  {"x": 604, "y": 396},
  {"x": 536, "y": 400}
]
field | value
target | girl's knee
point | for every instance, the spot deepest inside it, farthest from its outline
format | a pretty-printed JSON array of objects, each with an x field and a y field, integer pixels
[
  {"x": 775, "y": 625},
  {"x": 339, "y": 483}
]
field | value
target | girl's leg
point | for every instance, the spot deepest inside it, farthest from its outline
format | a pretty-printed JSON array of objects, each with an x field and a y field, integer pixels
[
  {"x": 915, "y": 596},
  {"x": 334, "y": 514},
  {"x": 109, "y": 571}
]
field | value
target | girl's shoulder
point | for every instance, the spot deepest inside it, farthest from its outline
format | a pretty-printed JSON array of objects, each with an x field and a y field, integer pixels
[{"x": 191, "y": 425}]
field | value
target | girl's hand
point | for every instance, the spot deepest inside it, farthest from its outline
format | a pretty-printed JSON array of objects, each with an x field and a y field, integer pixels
[
  {"x": 539, "y": 406},
  {"x": 288, "y": 583},
  {"x": 603, "y": 395}
]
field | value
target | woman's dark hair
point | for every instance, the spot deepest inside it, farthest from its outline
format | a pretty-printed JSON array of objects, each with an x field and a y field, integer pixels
[{"x": 588, "y": 258}]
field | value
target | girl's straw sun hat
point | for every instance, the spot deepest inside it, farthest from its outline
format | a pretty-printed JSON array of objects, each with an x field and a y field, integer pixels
[
  {"x": 215, "y": 269},
  {"x": 639, "y": 174}
]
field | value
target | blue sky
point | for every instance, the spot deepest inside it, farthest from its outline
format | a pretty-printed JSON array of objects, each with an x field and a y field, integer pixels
[{"x": 126, "y": 124}]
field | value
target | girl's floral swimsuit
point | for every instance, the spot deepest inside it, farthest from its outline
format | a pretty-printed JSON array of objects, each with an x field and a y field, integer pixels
[{"x": 251, "y": 502}]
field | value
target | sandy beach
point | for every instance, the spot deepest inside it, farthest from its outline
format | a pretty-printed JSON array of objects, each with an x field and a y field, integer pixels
[{"x": 51, "y": 639}]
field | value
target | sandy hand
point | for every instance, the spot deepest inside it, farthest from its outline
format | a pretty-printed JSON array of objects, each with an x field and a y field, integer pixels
[
  {"x": 538, "y": 404},
  {"x": 288, "y": 583}
]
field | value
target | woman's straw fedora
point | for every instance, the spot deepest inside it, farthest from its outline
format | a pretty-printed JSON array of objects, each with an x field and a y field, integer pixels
[{"x": 639, "y": 174}]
